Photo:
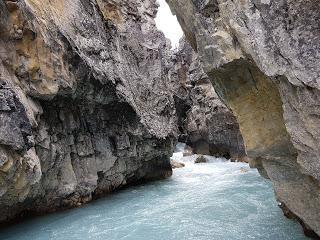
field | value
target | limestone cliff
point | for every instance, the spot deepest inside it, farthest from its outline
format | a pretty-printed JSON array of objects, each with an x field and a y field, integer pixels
[
  {"x": 84, "y": 106},
  {"x": 205, "y": 123},
  {"x": 262, "y": 57}
]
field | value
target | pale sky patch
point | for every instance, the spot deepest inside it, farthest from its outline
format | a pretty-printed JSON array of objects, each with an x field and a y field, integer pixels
[{"x": 168, "y": 24}]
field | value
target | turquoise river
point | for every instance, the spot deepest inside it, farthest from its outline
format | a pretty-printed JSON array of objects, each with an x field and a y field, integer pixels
[{"x": 217, "y": 200}]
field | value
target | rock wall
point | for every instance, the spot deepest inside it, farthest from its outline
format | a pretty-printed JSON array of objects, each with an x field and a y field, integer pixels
[
  {"x": 205, "y": 123},
  {"x": 262, "y": 57},
  {"x": 84, "y": 104}
]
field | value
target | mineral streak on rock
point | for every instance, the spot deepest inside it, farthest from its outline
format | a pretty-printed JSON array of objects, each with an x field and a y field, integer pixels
[
  {"x": 263, "y": 60},
  {"x": 84, "y": 105}
]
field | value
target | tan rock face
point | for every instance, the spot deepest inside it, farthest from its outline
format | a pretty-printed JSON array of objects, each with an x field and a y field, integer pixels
[
  {"x": 256, "y": 102},
  {"x": 40, "y": 69},
  {"x": 110, "y": 11},
  {"x": 263, "y": 60}
]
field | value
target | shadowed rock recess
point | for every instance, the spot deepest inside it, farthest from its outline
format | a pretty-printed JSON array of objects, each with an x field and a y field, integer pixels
[
  {"x": 205, "y": 123},
  {"x": 84, "y": 107},
  {"x": 262, "y": 57}
]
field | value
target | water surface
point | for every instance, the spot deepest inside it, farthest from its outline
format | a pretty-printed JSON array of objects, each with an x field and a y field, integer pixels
[{"x": 217, "y": 200}]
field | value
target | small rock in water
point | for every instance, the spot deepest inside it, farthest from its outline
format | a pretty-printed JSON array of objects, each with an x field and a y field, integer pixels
[
  {"x": 175, "y": 164},
  {"x": 201, "y": 159},
  {"x": 187, "y": 151}
]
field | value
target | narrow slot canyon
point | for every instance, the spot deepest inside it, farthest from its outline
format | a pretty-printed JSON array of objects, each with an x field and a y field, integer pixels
[{"x": 152, "y": 119}]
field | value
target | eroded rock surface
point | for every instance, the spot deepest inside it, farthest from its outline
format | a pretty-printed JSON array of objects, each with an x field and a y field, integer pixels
[
  {"x": 205, "y": 123},
  {"x": 84, "y": 106},
  {"x": 262, "y": 57}
]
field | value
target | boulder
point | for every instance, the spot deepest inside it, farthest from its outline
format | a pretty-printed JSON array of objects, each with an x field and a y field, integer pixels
[
  {"x": 201, "y": 159},
  {"x": 176, "y": 164}
]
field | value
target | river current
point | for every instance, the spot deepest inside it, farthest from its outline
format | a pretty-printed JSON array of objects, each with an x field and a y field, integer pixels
[{"x": 217, "y": 200}]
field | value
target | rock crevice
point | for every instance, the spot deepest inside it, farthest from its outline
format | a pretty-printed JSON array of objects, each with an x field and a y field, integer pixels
[{"x": 205, "y": 123}]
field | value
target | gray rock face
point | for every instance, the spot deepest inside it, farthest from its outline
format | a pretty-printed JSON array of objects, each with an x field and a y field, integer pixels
[
  {"x": 262, "y": 57},
  {"x": 205, "y": 123},
  {"x": 84, "y": 104}
]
